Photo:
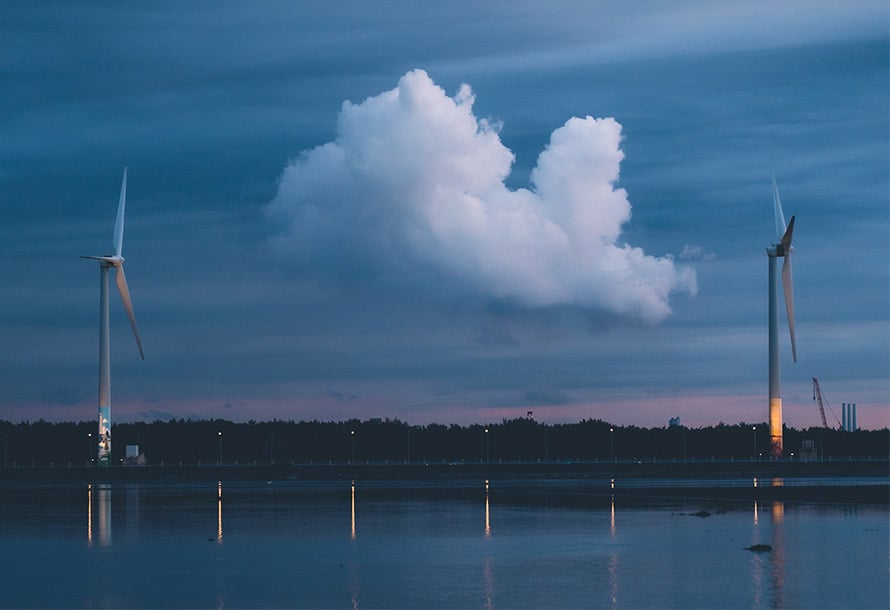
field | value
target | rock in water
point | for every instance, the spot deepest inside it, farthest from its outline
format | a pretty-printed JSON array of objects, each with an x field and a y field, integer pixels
[{"x": 759, "y": 548}]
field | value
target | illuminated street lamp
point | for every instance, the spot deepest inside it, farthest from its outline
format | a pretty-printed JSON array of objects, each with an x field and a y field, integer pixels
[
  {"x": 90, "y": 448},
  {"x": 219, "y": 434},
  {"x": 352, "y": 446},
  {"x": 612, "y": 444},
  {"x": 754, "y": 430},
  {"x": 487, "y": 448}
]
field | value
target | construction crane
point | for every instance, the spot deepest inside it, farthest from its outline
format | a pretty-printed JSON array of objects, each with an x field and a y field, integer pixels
[{"x": 817, "y": 396}]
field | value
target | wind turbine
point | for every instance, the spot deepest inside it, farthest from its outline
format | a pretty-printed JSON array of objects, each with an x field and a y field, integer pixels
[
  {"x": 782, "y": 249},
  {"x": 105, "y": 263}
]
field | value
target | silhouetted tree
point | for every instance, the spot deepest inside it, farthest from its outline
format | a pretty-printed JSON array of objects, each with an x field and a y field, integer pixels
[{"x": 42, "y": 443}]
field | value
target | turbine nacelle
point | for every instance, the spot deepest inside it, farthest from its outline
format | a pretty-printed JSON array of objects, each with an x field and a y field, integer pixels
[
  {"x": 108, "y": 260},
  {"x": 779, "y": 251}
]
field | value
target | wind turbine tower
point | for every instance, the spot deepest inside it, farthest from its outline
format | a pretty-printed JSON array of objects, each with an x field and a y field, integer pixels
[
  {"x": 107, "y": 262},
  {"x": 782, "y": 249}
]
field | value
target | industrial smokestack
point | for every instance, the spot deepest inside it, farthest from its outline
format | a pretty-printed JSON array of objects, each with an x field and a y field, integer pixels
[
  {"x": 844, "y": 416},
  {"x": 853, "y": 426}
]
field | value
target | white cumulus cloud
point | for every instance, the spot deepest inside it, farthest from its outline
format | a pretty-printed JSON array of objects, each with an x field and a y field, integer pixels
[{"x": 413, "y": 187}]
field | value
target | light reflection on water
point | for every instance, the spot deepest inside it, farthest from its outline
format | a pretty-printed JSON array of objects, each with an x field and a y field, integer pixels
[
  {"x": 287, "y": 544},
  {"x": 352, "y": 502},
  {"x": 757, "y": 561},
  {"x": 90, "y": 513},
  {"x": 613, "y": 559},
  {"x": 487, "y": 513},
  {"x": 219, "y": 505},
  {"x": 778, "y": 555},
  {"x": 102, "y": 499}
]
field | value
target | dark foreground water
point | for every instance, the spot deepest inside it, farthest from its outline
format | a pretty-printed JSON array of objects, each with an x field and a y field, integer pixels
[{"x": 460, "y": 545}]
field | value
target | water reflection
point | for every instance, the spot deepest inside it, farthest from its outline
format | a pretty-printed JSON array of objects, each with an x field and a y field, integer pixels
[
  {"x": 352, "y": 532},
  {"x": 778, "y": 554},
  {"x": 90, "y": 513},
  {"x": 613, "y": 579},
  {"x": 772, "y": 562},
  {"x": 757, "y": 559},
  {"x": 613, "y": 559},
  {"x": 102, "y": 500},
  {"x": 488, "y": 577},
  {"x": 219, "y": 528},
  {"x": 487, "y": 514},
  {"x": 487, "y": 569},
  {"x": 354, "y": 572},
  {"x": 354, "y": 585},
  {"x": 100, "y": 514},
  {"x": 545, "y": 555}
]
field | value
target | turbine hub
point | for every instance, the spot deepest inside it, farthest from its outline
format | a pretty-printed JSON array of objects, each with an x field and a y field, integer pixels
[
  {"x": 111, "y": 261},
  {"x": 779, "y": 251}
]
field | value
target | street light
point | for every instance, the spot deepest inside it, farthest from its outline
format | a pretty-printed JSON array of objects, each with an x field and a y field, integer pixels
[
  {"x": 754, "y": 430},
  {"x": 612, "y": 444},
  {"x": 352, "y": 446},
  {"x": 219, "y": 434},
  {"x": 487, "y": 448},
  {"x": 89, "y": 448}
]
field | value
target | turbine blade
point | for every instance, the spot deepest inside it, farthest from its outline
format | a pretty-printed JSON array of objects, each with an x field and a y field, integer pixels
[
  {"x": 119, "y": 220},
  {"x": 787, "y": 288},
  {"x": 121, "y": 281},
  {"x": 786, "y": 238},
  {"x": 777, "y": 209}
]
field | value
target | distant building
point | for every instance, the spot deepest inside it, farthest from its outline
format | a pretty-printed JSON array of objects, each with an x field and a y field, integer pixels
[
  {"x": 849, "y": 417},
  {"x": 808, "y": 449},
  {"x": 133, "y": 457}
]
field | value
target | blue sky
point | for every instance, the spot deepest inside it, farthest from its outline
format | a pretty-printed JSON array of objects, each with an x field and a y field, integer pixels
[{"x": 453, "y": 213}]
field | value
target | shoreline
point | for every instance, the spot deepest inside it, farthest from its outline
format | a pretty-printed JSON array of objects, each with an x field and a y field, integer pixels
[
  {"x": 383, "y": 471},
  {"x": 560, "y": 482}
]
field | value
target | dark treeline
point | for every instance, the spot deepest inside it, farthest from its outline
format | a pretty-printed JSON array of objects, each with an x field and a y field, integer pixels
[{"x": 209, "y": 441}]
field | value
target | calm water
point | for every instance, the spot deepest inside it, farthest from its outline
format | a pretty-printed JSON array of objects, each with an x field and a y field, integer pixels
[{"x": 350, "y": 545}]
